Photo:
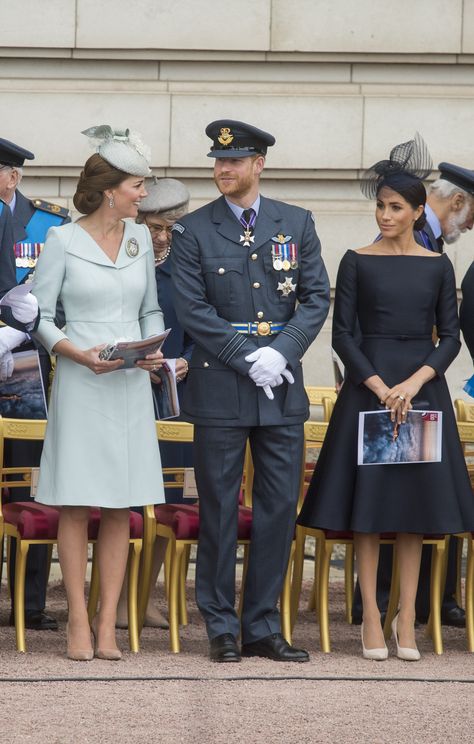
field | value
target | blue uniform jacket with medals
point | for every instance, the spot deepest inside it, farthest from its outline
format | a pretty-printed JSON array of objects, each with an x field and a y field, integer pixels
[
  {"x": 31, "y": 221},
  {"x": 218, "y": 282}
]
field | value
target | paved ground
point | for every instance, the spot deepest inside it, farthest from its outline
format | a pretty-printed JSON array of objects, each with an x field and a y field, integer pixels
[{"x": 159, "y": 697}]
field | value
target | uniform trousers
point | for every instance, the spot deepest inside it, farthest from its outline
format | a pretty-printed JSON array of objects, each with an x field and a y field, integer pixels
[{"x": 219, "y": 454}]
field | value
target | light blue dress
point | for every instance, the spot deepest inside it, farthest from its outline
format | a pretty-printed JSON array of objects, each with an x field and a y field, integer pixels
[{"x": 100, "y": 447}]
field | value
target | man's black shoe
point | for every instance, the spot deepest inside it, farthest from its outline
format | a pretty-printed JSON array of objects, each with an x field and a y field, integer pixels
[
  {"x": 276, "y": 648},
  {"x": 224, "y": 648},
  {"x": 37, "y": 620},
  {"x": 454, "y": 616}
]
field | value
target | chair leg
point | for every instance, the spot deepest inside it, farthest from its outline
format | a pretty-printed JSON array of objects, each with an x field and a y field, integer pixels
[
  {"x": 167, "y": 570},
  {"x": 93, "y": 602},
  {"x": 183, "y": 611},
  {"x": 244, "y": 577},
  {"x": 394, "y": 597},
  {"x": 459, "y": 549},
  {"x": 173, "y": 604},
  {"x": 49, "y": 559},
  {"x": 285, "y": 598},
  {"x": 144, "y": 580},
  {"x": 22, "y": 548},
  {"x": 349, "y": 580},
  {"x": 323, "y": 596},
  {"x": 132, "y": 598},
  {"x": 297, "y": 579},
  {"x": 2, "y": 550},
  {"x": 436, "y": 591},
  {"x": 470, "y": 595},
  {"x": 9, "y": 550}
]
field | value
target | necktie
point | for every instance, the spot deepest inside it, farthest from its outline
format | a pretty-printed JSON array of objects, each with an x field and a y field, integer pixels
[{"x": 248, "y": 221}]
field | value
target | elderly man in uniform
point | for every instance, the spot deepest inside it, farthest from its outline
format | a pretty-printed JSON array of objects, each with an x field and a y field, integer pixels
[
  {"x": 449, "y": 213},
  {"x": 31, "y": 220},
  {"x": 252, "y": 291}
]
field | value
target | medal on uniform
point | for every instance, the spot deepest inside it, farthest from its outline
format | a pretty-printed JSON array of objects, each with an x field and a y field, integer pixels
[
  {"x": 132, "y": 248},
  {"x": 293, "y": 256},
  {"x": 276, "y": 257},
  {"x": 247, "y": 238},
  {"x": 286, "y": 287}
]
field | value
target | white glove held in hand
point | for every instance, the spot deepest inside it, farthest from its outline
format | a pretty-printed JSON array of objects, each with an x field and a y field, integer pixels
[
  {"x": 6, "y": 366},
  {"x": 10, "y": 338},
  {"x": 25, "y": 309},
  {"x": 268, "y": 369}
]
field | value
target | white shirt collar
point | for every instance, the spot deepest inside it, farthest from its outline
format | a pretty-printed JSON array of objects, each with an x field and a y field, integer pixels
[{"x": 13, "y": 203}]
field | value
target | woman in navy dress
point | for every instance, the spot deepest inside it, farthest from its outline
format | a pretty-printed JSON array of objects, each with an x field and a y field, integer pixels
[
  {"x": 388, "y": 297},
  {"x": 167, "y": 202}
]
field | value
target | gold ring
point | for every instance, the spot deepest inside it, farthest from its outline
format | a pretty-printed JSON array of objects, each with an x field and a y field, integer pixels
[{"x": 402, "y": 397}]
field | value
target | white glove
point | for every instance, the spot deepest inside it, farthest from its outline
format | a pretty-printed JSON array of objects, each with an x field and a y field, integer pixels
[
  {"x": 25, "y": 309},
  {"x": 6, "y": 366},
  {"x": 268, "y": 369},
  {"x": 10, "y": 338}
]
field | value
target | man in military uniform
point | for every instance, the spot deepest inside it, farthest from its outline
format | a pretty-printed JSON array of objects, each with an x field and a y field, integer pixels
[
  {"x": 31, "y": 220},
  {"x": 252, "y": 291}
]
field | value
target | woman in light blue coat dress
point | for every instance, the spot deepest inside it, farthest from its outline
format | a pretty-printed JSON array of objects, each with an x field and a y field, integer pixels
[{"x": 100, "y": 447}]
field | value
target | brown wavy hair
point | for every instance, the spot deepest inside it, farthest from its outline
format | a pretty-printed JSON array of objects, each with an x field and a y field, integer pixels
[{"x": 96, "y": 176}]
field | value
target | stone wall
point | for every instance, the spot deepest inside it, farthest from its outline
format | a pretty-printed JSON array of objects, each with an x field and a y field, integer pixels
[{"x": 337, "y": 82}]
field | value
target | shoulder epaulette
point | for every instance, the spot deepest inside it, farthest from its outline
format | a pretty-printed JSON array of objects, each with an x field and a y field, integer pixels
[{"x": 50, "y": 207}]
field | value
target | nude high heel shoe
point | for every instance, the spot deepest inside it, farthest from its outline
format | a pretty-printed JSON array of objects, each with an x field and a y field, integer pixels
[
  {"x": 374, "y": 654},
  {"x": 108, "y": 654},
  {"x": 78, "y": 654},
  {"x": 403, "y": 652}
]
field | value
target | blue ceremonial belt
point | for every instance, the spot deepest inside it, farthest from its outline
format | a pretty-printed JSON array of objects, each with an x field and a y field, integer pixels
[
  {"x": 36, "y": 230},
  {"x": 259, "y": 328}
]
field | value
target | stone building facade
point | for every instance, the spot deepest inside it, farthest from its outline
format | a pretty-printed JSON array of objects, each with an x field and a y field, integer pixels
[{"x": 337, "y": 82}]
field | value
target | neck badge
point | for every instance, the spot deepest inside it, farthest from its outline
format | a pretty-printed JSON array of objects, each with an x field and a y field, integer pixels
[
  {"x": 286, "y": 287},
  {"x": 247, "y": 238},
  {"x": 132, "y": 248}
]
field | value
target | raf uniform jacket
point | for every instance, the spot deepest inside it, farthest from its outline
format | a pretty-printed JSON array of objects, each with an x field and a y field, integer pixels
[
  {"x": 218, "y": 282},
  {"x": 466, "y": 311}
]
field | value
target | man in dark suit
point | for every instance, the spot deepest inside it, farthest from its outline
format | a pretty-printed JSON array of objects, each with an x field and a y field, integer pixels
[
  {"x": 30, "y": 219},
  {"x": 252, "y": 291}
]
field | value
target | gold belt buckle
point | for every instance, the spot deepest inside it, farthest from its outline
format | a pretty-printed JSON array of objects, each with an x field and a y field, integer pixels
[{"x": 263, "y": 328}]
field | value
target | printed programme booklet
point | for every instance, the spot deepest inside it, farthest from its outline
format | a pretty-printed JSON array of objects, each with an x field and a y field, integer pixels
[
  {"x": 166, "y": 393},
  {"x": 132, "y": 351},
  {"x": 381, "y": 442}
]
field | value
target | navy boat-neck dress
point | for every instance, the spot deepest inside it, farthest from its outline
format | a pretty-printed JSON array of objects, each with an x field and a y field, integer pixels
[{"x": 396, "y": 300}]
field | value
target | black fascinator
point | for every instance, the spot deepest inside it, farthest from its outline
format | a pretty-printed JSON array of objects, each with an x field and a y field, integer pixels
[{"x": 411, "y": 160}]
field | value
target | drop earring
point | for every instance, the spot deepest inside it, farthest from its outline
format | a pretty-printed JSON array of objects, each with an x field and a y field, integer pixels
[{"x": 111, "y": 202}]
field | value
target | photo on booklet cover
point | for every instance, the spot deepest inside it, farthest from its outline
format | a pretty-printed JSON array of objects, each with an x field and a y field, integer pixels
[{"x": 382, "y": 442}]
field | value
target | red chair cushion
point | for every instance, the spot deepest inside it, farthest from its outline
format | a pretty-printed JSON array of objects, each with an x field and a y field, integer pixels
[
  {"x": 184, "y": 520},
  {"x": 35, "y": 521}
]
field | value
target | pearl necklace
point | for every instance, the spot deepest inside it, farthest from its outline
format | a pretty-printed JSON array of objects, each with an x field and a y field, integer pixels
[{"x": 164, "y": 256}]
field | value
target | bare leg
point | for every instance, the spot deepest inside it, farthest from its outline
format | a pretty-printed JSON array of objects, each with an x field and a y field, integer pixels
[
  {"x": 153, "y": 616},
  {"x": 72, "y": 551},
  {"x": 112, "y": 552},
  {"x": 367, "y": 553},
  {"x": 409, "y": 557}
]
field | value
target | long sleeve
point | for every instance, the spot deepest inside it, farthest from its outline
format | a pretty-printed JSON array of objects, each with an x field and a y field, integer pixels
[
  {"x": 49, "y": 276},
  {"x": 313, "y": 300},
  {"x": 150, "y": 316},
  {"x": 344, "y": 325},
  {"x": 447, "y": 322},
  {"x": 466, "y": 311}
]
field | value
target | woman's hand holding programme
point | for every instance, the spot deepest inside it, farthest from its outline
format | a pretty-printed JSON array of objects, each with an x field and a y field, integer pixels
[
  {"x": 152, "y": 362},
  {"x": 90, "y": 358}
]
